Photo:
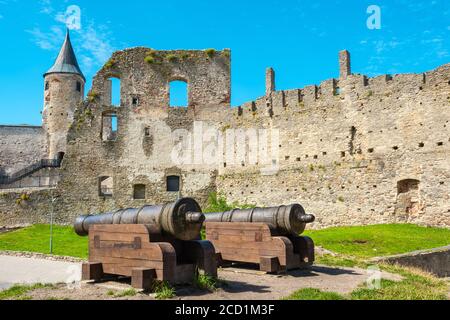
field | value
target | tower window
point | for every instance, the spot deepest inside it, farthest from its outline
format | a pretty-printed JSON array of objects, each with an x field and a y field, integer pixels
[
  {"x": 135, "y": 101},
  {"x": 173, "y": 184},
  {"x": 178, "y": 94},
  {"x": 47, "y": 85},
  {"x": 78, "y": 86}
]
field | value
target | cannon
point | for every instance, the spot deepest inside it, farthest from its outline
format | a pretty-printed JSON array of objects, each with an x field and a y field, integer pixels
[
  {"x": 155, "y": 242},
  {"x": 282, "y": 220},
  {"x": 181, "y": 219},
  {"x": 268, "y": 237}
]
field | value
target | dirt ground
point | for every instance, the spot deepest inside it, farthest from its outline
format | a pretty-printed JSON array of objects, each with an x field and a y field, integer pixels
[{"x": 239, "y": 284}]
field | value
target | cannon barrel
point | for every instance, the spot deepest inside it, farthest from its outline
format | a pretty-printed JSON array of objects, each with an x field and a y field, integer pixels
[
  {"x": 182, "y": 219},
  {"x": 283, "y": 220}
]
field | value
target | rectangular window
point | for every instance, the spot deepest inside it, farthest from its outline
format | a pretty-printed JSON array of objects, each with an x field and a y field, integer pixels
[
  {"x": 109, "y": 127},
  {"x": 139, "y": 192},
  {"x": 106, "y": 186},
  {"x": 47, "y": 85},
  {"x": 173, "y": 184},
  {"x": 78, "y": 86}
]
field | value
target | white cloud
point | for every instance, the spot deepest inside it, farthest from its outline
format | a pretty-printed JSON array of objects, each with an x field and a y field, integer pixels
[
  {"x": 91, "y": 42},
  {"x": 47, "y": 40},
  {"x": 71, "y": 17},
  {"x": 46, "y": 6}
]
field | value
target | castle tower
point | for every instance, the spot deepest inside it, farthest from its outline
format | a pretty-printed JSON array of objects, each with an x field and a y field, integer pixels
[{"x": 64, "y": 89}]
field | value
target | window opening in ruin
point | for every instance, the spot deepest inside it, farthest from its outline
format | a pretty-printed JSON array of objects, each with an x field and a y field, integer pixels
[
  {"x": 47, "y": 85},
  {"x": 135, "y": 101},
  {"x": 178, "y": 93},
  {"x": 115, "y": 92},
  {"x": 408, "y": 198},
  {"x": 110, "y": 127},
  {"x": 78, "y": 86},
  {"x": 421, "y": 145},
  {"x": 147, "y": 132},
  {"x": 139, "y": 192},
  {"x": 352, "y": 139},
  {"x": 106, "y": 185},
  {"x": 173, "y": 183},
  {"x": 440, "y": 144}
]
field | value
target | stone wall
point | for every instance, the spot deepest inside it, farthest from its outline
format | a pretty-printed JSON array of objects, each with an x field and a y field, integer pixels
[
  {"x": 435, "y": 261},
  {"x": 20, "y": 146},
  {"x": 27, "y": 206}
]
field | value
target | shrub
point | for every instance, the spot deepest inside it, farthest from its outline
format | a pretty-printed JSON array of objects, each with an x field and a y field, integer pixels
[
  {"x": 92, "y": 96},
  {"x": 110, "y": 63},
  {"x": 210, "y": 52},
  {"x": 149, "y": 59},
  {"x": 218, "y": 203},
  {"x": 172, "y": 57}
]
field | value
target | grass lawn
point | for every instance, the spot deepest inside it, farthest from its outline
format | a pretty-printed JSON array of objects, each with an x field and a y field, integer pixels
[
  {"x": 37, "y": 239},
  {"x": 414, "y": 286},
  {"x": 379, "y": 240}
]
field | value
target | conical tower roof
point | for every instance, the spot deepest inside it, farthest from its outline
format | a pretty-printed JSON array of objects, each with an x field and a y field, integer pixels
[{"x": 66, "y": 62}]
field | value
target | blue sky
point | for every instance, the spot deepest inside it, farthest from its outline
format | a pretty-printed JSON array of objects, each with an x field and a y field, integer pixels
[{"x": 300, "y": 39}]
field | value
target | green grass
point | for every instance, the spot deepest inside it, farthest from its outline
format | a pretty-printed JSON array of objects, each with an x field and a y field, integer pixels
[
  {"x": 37, "y": 239},
  {"x": 125, "y": 293},
  {"x": 415, "y": 286},
  {"x": 314, "y": 294},
  {"x": 19, "y": 292},
  {"x": 163, "y": 290},
  {"x": 380, "y": 240},
  {"x": 204, "y": 282}
]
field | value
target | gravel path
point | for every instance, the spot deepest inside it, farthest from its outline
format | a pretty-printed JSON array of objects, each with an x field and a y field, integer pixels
[
  {"x": 22, "y": 270},
  {"x": 240, "y": 284}
]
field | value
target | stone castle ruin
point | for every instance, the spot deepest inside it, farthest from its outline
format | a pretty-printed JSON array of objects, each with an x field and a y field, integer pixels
[{"x": 353, "y": 150}]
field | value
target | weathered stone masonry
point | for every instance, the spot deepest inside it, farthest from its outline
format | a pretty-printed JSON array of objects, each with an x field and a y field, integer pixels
[{"x": 354, "y": 150}]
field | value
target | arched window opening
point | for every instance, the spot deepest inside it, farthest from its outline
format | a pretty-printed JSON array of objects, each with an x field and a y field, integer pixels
[
  {"x": 178, "y": 94},
  {"x": 109, "y": 127},
  {"x": 106, "y": 185},
  {"x": 139, "y": 192},
  {"x": 173, "y": 183}
]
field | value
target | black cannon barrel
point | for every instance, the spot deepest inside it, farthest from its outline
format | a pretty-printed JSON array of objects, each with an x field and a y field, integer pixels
[
  {"x": 283, "y": 220},
  {"x": 182, "y": 219}
]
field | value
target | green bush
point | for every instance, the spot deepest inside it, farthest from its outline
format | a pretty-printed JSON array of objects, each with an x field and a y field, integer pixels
[
  {"x": 210, "y": 52},
  {"x": 149, "y": 59},
  {"x": 172, "y": 57},
  {"x": 218, "y": 203}
]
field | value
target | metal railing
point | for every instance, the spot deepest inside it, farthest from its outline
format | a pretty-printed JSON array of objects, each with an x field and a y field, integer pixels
[{"x": 29, "y": 170}]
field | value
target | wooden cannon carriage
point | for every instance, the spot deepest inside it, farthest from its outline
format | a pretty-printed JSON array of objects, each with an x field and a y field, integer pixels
[
  {"x": 264, "y": 236},
  {"x": 147, "y": 244}
]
